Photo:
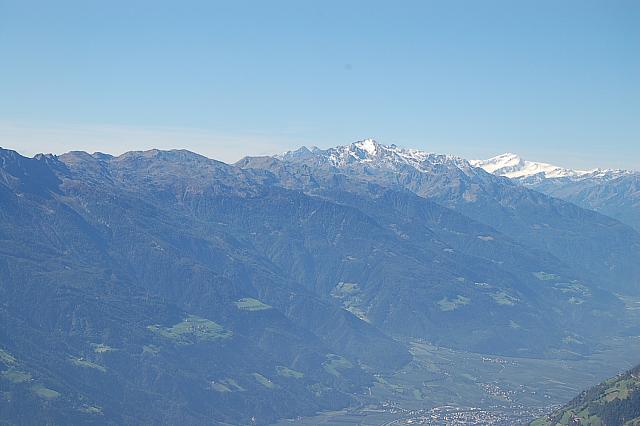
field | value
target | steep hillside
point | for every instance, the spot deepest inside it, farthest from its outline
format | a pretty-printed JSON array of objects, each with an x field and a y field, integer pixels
[
  {"x": 613, "y": 402},
  {"x": 121, "y": 304},
  {"x": 614, "y": 194},
  {"x": 162, "y": 285},
  {"x": 595, "y": 246}
]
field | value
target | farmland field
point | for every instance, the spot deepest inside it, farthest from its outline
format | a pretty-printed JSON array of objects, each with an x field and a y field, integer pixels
[{"x": 475, "y": 387}]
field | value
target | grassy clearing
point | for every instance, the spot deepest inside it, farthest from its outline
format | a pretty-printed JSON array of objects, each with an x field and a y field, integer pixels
[
  {"x": 90, "y": 409},
  {"x": 571, "y": 340},
  {"x": 417, "y": 394},
  {"x": 344, "y": 289},
  {"x": 335, "y": 363},
  {"x": 621, "y": 390},
  {"x": 573, "y": 287},
  {"x": 447, "y": 305},
  {"x": 220, "y": 387},
  {"x": 393, "y": 387},
  {"x": 582, "y": 418},
  {"x": 349, "y": 293},
  {"x": 16, "y": 376},
  {"x": 543, "y": 276},
  {"x": 232, "y": 384},
  {"x": 357, "y": 311},
  {"x": 7, "y": 358},
  {"x": 541, "y": 422},
  {"x": 101, "y": 348},
  {"x": 44, "y": 393},
  {"x": 264, "y": 381},
  {"x": 81, "y": 362},
  {"x": 250, "y": 304},
  {"x": 191, "y": 330},
  {"x": 502, "y": 298},
  {"x": 287, "y": 372},
  {"x": 226, "y": 385},
  {"x": 631, "y": 303},
  {"x": 150, "y": 349},
  {"x": 319, "y": 389}
]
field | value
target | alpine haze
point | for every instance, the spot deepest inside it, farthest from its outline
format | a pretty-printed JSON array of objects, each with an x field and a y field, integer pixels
[
  {"x": 247, "y": 213},
  {"x": 286, "y": 285}
]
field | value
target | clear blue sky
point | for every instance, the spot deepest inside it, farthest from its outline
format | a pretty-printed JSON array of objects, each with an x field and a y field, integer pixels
[{"x": 552, "y": 80}]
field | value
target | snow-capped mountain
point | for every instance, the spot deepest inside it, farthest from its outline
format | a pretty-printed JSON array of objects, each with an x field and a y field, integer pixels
[
  {"x": 454, "y": 181},
  {"x": 367, "y": 167},
  {"x": 513, "y": 166},
  {"x": 613, "y": 192},
  {"x": 369, "y": 152},
  {"x": 209, "y": 279}
]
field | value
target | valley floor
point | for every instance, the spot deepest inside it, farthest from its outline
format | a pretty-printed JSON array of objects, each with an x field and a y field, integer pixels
[{"x": 444, "y": 386}]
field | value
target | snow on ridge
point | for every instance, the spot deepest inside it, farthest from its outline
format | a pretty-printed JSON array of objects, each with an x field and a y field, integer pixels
[
  {"x": 392, "y": 157},
  {"x": 370, "y": 153},
  {"x": 375, "y": 153},
  {"x": 370, "y": 146},
  {"x": 500, "y": 162},
  {"x": 513, "y": 166}
]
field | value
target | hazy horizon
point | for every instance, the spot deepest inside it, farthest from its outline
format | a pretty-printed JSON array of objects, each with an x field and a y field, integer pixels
[
  {"x": 553, "y": 82},
  {"x": 358, "y": 283},
  {"x": 229, "y": 156}
]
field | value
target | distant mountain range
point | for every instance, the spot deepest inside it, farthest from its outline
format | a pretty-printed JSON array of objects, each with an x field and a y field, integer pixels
[
  {"x": 527, "y": 216},
  {"x": 615, "y": 193},
  {"x": 513, "y": 166},
  {"x": 166, "y": 286}
]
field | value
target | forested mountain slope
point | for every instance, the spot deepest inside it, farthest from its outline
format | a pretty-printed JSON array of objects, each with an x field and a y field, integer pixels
[{"x": 166, "y": 286}]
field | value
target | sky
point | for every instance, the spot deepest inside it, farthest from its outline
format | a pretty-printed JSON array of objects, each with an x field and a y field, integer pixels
[{"x": 554, "y": 81}]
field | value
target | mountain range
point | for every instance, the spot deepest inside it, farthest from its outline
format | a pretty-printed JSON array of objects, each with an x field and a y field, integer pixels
[
  {"x": 163, "y": 286},
  {"x": 613, "y": 192}
]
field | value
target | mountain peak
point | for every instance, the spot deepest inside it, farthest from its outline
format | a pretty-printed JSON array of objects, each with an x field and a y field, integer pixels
[
  {"x": 370, "y": 146},
  {"x": 500, "y": 163},
  {"x": 508, "y": 157},
  {"x": 513, "y": 166},
  {"x": 372, "y": 154}
]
